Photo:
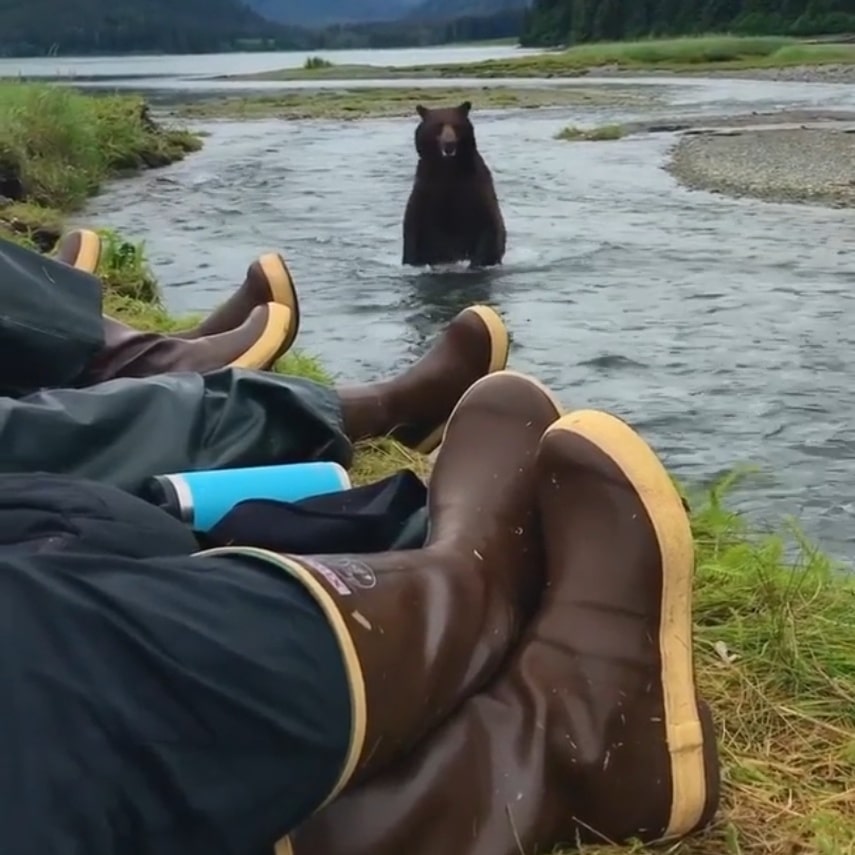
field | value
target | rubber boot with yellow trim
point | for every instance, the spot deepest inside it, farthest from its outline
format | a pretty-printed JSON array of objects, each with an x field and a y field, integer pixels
[
  {"x": 422, "y": 630},
  {"x": 257, "y": 343},
  {"x": 413, "y": 407},
  {"x": 81, "y": 249},
  {"x": 593, "y": 732},
  {"x": 268, "y": 280}
]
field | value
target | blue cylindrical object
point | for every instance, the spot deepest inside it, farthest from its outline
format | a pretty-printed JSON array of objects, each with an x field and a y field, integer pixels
[{"x": 202, "y": 499}]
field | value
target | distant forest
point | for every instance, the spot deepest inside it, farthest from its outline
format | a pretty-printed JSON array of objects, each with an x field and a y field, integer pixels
[
  {"x": 62, "y": 27},
  {"x": 560, "y": 22}
]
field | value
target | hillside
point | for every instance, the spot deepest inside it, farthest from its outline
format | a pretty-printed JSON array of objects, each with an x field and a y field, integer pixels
[
  {"x": 320, "y": 13},
  {"x": 433, "y": 10},
  {"x": 552, "y": 22},
  {"x": 33, "y": 27}
]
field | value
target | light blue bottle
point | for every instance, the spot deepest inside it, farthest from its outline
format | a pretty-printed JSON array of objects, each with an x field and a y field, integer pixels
[{"x": 202, "y": 499}]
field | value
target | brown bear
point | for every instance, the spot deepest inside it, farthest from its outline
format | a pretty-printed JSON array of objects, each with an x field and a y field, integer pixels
[{"x": 453, "y": 213}]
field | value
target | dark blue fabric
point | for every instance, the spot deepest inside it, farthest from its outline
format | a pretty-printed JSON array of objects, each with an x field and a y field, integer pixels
[
  {"x": 153, "y": 704},
  {"x": 50, "y": 321}
]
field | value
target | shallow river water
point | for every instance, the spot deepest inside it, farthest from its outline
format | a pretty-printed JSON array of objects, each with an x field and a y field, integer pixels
[{"x": 723, "y": 329}]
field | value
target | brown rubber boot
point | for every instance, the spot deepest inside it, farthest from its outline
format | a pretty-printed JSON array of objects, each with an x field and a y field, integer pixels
[
  {"x": 268, "y": 280},
  {"x": 413, "y": 407},
  {"x": 257, "y": 343},
  {"x": 593, "y": 732},
  {"x": 421, "y": 630},
  {"x": 80, "y": 249}
]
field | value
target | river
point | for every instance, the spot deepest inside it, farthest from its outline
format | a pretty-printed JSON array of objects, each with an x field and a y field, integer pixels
[{"x": 723, "y": 329}]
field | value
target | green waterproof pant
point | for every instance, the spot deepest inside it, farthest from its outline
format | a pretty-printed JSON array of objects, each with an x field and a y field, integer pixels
[{"x": 127, "y": 430}]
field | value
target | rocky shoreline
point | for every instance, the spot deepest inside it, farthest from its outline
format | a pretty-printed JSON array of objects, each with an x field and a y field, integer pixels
[
  {"x": 831, "y": 73},
  {"x": 780, "y": 161}
]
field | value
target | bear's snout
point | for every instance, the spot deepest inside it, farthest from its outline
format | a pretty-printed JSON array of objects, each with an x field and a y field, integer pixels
[{"x": 448, "y": 141}]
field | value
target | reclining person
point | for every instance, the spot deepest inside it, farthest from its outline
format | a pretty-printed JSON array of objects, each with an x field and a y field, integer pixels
[
  {"x": 53, "y": 333},
  {"x": 214, "y": 703},
  {"x": 124, "y": 431}
]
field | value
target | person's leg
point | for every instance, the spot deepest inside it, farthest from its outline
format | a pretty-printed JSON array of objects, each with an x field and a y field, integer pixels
[
  {"x": 41, "y": 512},
  {"x": 594, "y": 731},
  {"x": 125, "y": 431},
  {"x": 50, "y": 326},
  {"x": 257, "y": 343},
  {"x": 167, "y": 706},
  {"x": 267, "y": 280},
  {"x": 256, "y": 335},
  {"x": 421, "y": 630},
  {"x": 211, "y": 704}
]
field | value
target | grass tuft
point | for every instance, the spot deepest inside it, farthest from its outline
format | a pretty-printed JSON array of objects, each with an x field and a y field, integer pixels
[
  {"x": 572, "y": 133},
  {"x": 313, "y": 63},
  {"x": 57, "y": 146}
]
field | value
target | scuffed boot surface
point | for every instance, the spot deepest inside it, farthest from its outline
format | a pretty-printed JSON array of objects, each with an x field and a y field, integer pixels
[{"x": 593, "y": 732}]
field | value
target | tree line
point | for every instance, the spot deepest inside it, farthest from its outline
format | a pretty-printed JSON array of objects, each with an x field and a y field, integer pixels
[
  {"x": 44, "y": 27},
  {"x": 556, "y": 22}
]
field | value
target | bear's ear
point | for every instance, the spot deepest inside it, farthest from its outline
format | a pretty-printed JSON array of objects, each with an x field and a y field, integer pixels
[
  {"x": 465, "y": 107},
  {"x": 422, "y": 111}
]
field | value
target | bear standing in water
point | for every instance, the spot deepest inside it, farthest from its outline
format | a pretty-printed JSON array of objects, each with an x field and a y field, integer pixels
[{"x": 453, "y": 213}]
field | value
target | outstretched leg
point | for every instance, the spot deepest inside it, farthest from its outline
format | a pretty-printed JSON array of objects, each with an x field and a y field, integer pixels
[
  {"x": 50, "y": 326},
  {"x": 213, "y": 703},
  {"x": 268, "y": 280},
  {"x": 251, "y": 330},
  {"x": 594, "y": 732},
  {"x": 125, "y": 431}
]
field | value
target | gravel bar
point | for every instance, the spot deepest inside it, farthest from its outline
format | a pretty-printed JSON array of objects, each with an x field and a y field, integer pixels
[{"x": 813, "y": 165}]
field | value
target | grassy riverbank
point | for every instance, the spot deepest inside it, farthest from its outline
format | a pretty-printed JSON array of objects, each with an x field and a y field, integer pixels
[
  {"x": 700, "y": 55},
  {"x": 58, "y": 147},
  {"x": 362, "y": 103}
]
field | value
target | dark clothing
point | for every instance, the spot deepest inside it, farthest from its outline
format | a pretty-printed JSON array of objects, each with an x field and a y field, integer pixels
[
  {"x": 124, "y": 431},
  {"x": 389, "y": 514},
  {"x": 127, "y": 430},
  {"x": 50, "y": 321},
  {"x": 154, "y": 705},
  {"x": 53, "y": 513}
]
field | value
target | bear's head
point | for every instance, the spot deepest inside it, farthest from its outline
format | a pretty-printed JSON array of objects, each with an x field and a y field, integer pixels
[{"x": 446, "y": 133}]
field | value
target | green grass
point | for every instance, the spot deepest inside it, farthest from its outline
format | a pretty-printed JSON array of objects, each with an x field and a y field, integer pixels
[
  {"x": 355, "y": 103},
  {"x": 697, "y": 54},
  {"x": 58, "y": 147},
  {"x": 572, "y": 133},
  {"x": 315, "y": 62},
  {"x": 62, "y": 145}
]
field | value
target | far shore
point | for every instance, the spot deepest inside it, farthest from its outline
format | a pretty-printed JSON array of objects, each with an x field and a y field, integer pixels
[
  {"x": 355, "y": 103},
  {"x": 794, "y": 156},
  {"x": 824, "y": 73},
  {"x": 762, "y": 57}
]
